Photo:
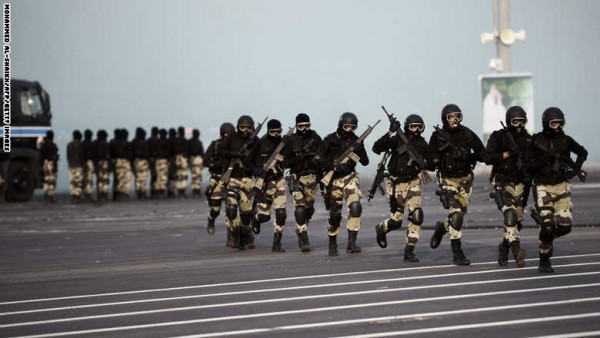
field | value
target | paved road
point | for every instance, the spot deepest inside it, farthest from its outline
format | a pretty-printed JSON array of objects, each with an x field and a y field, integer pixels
[{"x": 146, "y": 269}]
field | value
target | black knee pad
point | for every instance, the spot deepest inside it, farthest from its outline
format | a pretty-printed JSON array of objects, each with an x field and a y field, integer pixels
[
  {"x": 301, "y": 214},
  {"x": 262, "y": 218},
  {"x": 246, "y": 218},
  {"x": 231, "y": 212},
  {"x": 547, "y": 230},
  {"x": 214, "y": 202},
  {"x": 214, "y": 213},
  {"x": 393, "y": 224},
  {"x": 355, "y": 209},
  {"x": 335, "y": 219},
  {"x": 280, "y": 216},
  {"x": 416, "y": 217},
  {"x": 562, "y": 230},
  {"x": 309, "y": 213},
  {"x": 456, "y": 220},
  {"x": 510, "y": 217}
]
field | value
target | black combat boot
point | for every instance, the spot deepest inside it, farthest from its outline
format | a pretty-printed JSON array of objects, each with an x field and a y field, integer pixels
[
  {"x": 545, "y": 265},
  {"x": 438, "y": 233},
  {"x": 459, "y": 256},
  {"x": 333, "y": 246},
  {"x": 352, "y": 247},
  {"x": 518, "y": 253},
  {"x": 277, "y": 242},
  {"x": 230, "y": 239},
  {"x": 409, "y": 254},
  {"x": 88, "y": 198},
  {"x": 210, "y": 227},
  {"x": 381, "y": 235},
  {"x": 503, "y": 253},
  {"x": 303, "y": 242},
  {"x": 243, "y": 238},
  {"x": 255, "y": 225},
  {"x": 236, "y": 237},
  {"x": 250, "y": 239}
]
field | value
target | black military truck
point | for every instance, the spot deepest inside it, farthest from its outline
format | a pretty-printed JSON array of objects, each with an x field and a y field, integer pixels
[{"x": 21, "y": 167}]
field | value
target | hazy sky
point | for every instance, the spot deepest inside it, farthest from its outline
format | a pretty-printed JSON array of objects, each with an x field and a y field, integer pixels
[{"x": 129, "y": 63}]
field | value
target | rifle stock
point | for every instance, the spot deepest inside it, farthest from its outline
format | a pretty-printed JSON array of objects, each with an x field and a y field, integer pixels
[{"x": 379, "y": 177}]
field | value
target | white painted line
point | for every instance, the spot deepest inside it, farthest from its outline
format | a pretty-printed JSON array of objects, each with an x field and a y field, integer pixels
[
  {"x": 259, "y": 281},
  {"x": 573, "y": 335},
  {"x": 330, "y": 308},
  {"x": 315, "y": 286}
]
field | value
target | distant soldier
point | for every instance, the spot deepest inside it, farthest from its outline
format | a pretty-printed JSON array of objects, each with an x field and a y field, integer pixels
[
  {"x": 180, "y": 156},
  {"x": 76, "y": 161},
  {"x": 121, "y": 157},
  {"x": 161, "y": 154},
  {"x": 299, "y": 156},
  {"x": 214, "y": 191},
  {"x": 141, "y": 156},
  {"x": 172, "y": 173},
  {"x": 553, "y": 168},
  {"x": 89, "y": 155},
  {"x": 403, "y": 183},
  {"x": 505, "y": 151},
  {"x": 272, "y": 194},
  {"x": 454, "y": 151},
  {"x": 49, "y": 152},
  {"x": 153, "y": 144},
  {"x": 196, "y": 158},
  {"x": 344, "y": 183},
  {"x": 103, "y": 165}
]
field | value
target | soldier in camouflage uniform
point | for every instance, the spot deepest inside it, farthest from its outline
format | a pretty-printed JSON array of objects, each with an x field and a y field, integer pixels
[
  {"x": 141, "y": 165},
  {"x": 121, "y": 157},
  {"x": 180, "y": 157},
  {"x": 76, "y": 161},
  {"x": 49, "y": 152},
  {"x": 102, "y": 165},
  {"x": 299, "y": 156},
  {"x": 89, "y": 168},
  {"x": 272, "y": 193},
  {"x": 553, "y": 168},
  {"x": 238, "y": 149},
  {"x": 161, "y": 154},
  {"x": 196, "y": 154},
  {"x": 505, "y": 151},
  {"x": 152, "y": 144},
  {"x": 345, "y": 182},
  {"x": 403, "y": 183},
  {"x": 214, "y": 191},
  {"x": 454, "y": 151},
  {"x": 172, "y": 172}
]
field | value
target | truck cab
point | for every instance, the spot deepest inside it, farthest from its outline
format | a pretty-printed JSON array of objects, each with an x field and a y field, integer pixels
[{"x": 30, "y": 120}]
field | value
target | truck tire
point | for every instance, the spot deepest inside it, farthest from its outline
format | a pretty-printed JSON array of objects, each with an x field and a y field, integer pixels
[{"x": 19, "y": 182}]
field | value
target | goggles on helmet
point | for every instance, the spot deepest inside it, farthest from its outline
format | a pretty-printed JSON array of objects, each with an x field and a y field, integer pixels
[
  {"x": 275, "y": 132},
  {"x": 245, "y": 128},
  {"x": 416, "y": 127},
  {"x": 303, "y": 126},
  {"x": 454, "y": 117},
  {"x": 555, "y": 124},
  {"x": 518, "y": 122},
  {"x": 349, "y": 127}
]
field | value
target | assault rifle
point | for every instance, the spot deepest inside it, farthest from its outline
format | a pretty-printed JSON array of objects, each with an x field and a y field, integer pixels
[
  {"x": 515, "y": 150},
  {"x": 407, "y": 147},
  {"x": 381, "y": 174},
  {"x": 269, "y": 165},
  {"x": 347, "y": 155},
  {"x": 582, "y": 174},
  {"x": 227, "y": 173},
  {"x": 449, "y": 142}
]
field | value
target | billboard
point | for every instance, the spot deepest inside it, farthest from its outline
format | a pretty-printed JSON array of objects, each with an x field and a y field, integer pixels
[{"x": 501, "y": 91}]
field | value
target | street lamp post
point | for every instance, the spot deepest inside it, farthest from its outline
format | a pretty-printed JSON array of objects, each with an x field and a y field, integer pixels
[{"x": 503, "y": 35}]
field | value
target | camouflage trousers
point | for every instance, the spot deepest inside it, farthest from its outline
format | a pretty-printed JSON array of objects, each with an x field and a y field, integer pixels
[
  {"x": 196, "y": 166},
  {"x": 161, "y": 166},
  {"x": 343, "y": 188},
  {"x": 455, "y": 197},
  {"x": 553, "y": 205},
  {"x": 76, "y": 181},
  {"x": 142, "y": 172},
  {"x": 214, "y": 196},
  {"x": 239, "y": 196},
  {"x": 88, "y": 179},
  {"x": 123, "y": 175},
  {"x": 49, "y": 169},
  {"x": 181, "y": 175},
  {"x": 274, "y": 196},
  {"x": 401, "y": 195},
  {"x": 103, "y": 179},
  {"x": 511, "y": 200},
  {"x": 303, "y": 193}
]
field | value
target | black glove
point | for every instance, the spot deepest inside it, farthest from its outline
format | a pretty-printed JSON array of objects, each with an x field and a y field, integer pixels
[
  {"x": 345, "y": 168},
  {"x": 394, "y": 125}
]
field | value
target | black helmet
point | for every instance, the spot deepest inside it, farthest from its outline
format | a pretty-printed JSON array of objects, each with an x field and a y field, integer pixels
[
  {"x": 77, "y": 135},
  {"x": 196, "y": 133},
  {"x": 227, "y": 128},
  {"x": 102, "y": 134},
  {"x": 245, "y": 120},
  {"x": 414, "y": 124},
  {"x": 449, "y": 109},
  {"x": 88, "y": 134},
  {"x": 181, "y": 131},
  {"x": 50, "y": 135},
  {"x": 302, "y": 118},
  {"x": 348, "y": 118},
  {"x": 553, "y": 118},
  {"x": 516, "y": 117},
  {"x": 140, "y": 134},
  {"x": 154, "y": 131}
]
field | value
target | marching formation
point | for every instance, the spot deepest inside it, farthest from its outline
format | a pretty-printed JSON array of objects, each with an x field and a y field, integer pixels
[{"x": 250, "y": 176}]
